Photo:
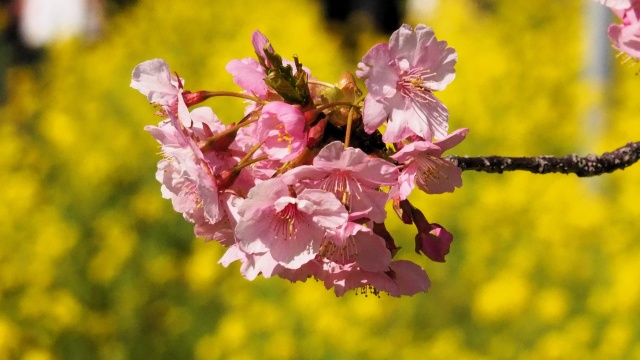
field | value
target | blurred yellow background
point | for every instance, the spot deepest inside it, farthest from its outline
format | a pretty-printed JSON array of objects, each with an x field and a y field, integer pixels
[{"x": 94, "y": 264}]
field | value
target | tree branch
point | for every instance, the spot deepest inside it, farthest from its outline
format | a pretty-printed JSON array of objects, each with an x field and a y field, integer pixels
[{"x": 590, "y": 165}]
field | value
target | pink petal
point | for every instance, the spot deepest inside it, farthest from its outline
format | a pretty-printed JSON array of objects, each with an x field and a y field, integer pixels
[
  {"x": 452, "y": 140},
  {"x": 249, "y": 75},
  {"x": 409, "y": 277},
  {"x": 374, "y": 114},
  {"x": 381, "y": 77},
  {"x": 153, "y": 79},
  {"x": 373, "y": 254}
]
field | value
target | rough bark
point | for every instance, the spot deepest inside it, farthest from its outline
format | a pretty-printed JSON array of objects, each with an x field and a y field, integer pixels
[{"x": 581, "y": 166}]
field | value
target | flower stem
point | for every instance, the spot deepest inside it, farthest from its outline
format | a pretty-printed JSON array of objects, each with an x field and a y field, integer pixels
[
  {"x": 253, "y": 161},
  {"x": 210, "y": 94},
  {"x": 322, "y": 83},
  {"x": 247, "y": 120},
  {"x": 246, "y": 160},
  {"x": 347, "y": 135},
  {"x": 335, "y": 104}
]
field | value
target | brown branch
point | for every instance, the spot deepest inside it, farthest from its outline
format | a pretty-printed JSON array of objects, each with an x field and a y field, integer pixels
[{"x": 590, "y": 165}]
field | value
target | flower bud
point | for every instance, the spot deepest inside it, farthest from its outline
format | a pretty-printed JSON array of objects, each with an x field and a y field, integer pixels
[
  {"x": 194, "y": 98},
  {"x": 226, "y": 178},
  {"x": 316, "y": 133},
  {"x": 435, "y": 244},
  {"x": 219, "y": 143},
  {"x": 403, "y": 210}
]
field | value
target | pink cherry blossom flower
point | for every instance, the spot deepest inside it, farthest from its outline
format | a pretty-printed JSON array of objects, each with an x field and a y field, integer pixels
[
  {"x": 187, "y": 174},
  {"x": 626, "y": 36},
  {"x": 351, "y": 175},
  {"x": 424, "y": 167},
  {"x": 291, "y": 228},
  {"x": 194, "y": 130},
  {"x": 356, "y": 244},
  {"x": 154, "y": 80},
  {"x": 223, "y": 231},
  {"x": 401, "y": 278},
  {"x": 181, "y": 190},
  {"x": 282, "y": 130},
  {"x": 401, "y": 77}
]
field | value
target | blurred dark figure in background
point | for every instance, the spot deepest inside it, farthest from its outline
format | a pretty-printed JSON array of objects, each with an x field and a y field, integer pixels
[
  {"x": 354, "y": 17},
  {"x": 385, "y": 14}
]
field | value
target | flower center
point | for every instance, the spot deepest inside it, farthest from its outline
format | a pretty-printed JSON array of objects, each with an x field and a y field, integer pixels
[
  {"x": 285, "y": 221},
  {"x": 283, "y": 135},
  {"x": 190, "y": 190},
  {"x": 339, "y": 253},
  {"x": 429, "y": 170},
  {"x": 339, "y": 184},
  {"x": 413, "y": 84}
]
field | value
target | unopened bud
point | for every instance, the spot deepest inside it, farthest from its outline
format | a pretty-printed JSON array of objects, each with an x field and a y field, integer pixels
[
  {"x": 219, "y": 143},
  {"x": 403, "y": 210},
  {"x": 435, "y": 244},
  {"x": 347, "y": 83},
  {"x": 316, "y": 133},
  {"x": 226, "y": 178},
  {"x": 193, "y": 98}
]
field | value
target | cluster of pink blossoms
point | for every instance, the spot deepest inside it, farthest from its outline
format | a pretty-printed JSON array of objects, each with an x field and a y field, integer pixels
[
  {"x": 625, "y": 36},
  {"x": 298, "y": 187}
]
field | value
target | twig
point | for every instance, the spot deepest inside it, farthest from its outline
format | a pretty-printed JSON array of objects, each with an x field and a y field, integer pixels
[{"x": 590, "y": 165}]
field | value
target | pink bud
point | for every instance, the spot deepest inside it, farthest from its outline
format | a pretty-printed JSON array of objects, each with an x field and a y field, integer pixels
[
  {"x": 435, "y": 244},
  {"x": 403, "y": 210},
  {"x": 193, "y": 98},
  {"x": 316, "y": 133},
  {"x": 226, "y": 178}
]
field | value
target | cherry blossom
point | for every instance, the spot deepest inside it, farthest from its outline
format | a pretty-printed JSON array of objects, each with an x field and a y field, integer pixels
[
  {"x": 424, "y": 167},
  {"x": 351, "y": 175},
  {"x": 296, "y": 188},
  {"x": 291, "y": 228},
  {"x": 401, "y": 77},
  {"x": 626, "y": 36},
  {"x": 402, "y": 278},
  {"x": 356, "y": 244},
  {"x": 281, "y": 129}
]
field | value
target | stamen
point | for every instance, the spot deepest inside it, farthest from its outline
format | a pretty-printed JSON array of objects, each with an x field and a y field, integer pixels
[
  {"x": 413, "y": 84},
  {"x": 284, "y": 223},
  {"x": 338, "y": 184},
  {"x": 283, "y": 135},
  {"x": 429, "y": 170},
  {"x": 340, "y": 254},
  {"x": 190, "y": 190},
  {"x": 366, "y": 289}
]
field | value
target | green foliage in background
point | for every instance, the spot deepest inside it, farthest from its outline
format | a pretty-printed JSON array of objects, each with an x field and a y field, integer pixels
[{"x": 94, "y": 264}]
